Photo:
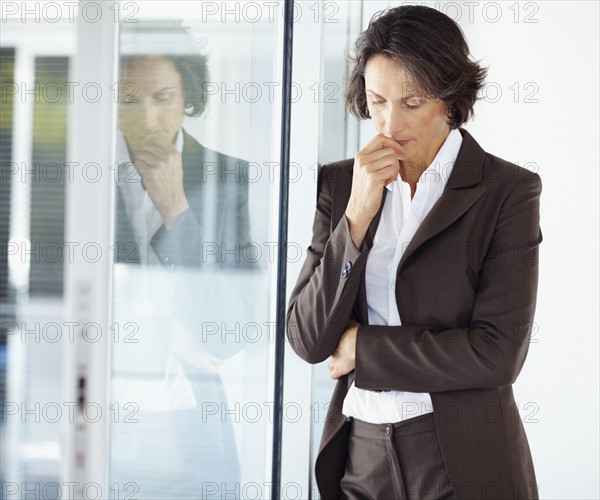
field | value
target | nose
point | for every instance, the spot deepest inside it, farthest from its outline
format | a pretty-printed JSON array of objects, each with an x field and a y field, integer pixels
[
  {"x": 148, "y": 115},
  {"x": 141, "y": 117},
  {"x": 394, "y": 122}
]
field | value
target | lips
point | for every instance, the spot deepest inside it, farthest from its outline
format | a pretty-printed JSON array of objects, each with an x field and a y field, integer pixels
[{"x": 402, "y": 143}]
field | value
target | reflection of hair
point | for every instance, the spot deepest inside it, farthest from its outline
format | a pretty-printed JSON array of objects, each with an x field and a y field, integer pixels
[
  {"x": 176, "y": 43},
  {"x": 194, "y": 73},
  {"x": 430, "y": 48}
]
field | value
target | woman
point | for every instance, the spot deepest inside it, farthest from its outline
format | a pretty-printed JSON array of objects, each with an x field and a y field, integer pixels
[
  {"x": 420, "y": 281},
  {"x": 172, "y": 227}
]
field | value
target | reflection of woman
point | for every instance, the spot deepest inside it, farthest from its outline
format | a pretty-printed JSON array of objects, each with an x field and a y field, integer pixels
[
  {"x": 180, "y": 204},
  {"x": 420, "y": 281},
  {"x": 163, "y": 181}
]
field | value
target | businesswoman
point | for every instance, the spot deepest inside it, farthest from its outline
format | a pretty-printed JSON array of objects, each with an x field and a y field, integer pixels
[{"x": 420, "y": 281}]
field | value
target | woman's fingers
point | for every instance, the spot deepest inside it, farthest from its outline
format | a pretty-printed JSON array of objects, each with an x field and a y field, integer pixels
[
  {"x": 382, "y": 152},
  {"x": 333, "y": 371},
  {"x": 380, "y": 161},
  {"x": 375, "y": 166},
  {"x": 381, "y": 142}
]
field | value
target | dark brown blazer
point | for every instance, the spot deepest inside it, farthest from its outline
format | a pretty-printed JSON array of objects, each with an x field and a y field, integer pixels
[{"x": 466, "y": 292}]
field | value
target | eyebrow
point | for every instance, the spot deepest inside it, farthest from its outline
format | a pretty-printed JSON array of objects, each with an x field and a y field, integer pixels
[{"x": 403, "y": 99}]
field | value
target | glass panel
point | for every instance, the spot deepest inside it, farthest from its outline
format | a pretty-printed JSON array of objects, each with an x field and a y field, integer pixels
[
  {"x": 7, "y": 313},
  {"x": 32, "y": 148},
  {"x": 196, "y": 172},
  {"x": 339, "y": 141},
  {"x": 7, "y": 71}
]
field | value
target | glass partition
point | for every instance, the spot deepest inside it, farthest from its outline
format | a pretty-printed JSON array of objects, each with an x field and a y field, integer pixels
[
  {"x": 34, "y": 104},
  {"x": 339, "y": 139},
  {"x": 196, "y": 209}
]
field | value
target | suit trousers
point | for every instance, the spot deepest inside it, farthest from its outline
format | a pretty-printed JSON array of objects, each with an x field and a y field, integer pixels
[{"x": 400, "y": 461}]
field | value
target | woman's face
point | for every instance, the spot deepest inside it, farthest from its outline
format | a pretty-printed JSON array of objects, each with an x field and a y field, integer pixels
[
  {"x": 152, "y": 100},
  {"x": 400, "y": 113}
]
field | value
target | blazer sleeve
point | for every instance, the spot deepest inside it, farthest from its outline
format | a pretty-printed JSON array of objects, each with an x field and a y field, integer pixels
[
  {"x": 492, "y": 350},
  {"x": 186, "y": 244},
  {"x": 182, "y": 245},
  {"x": 321, "y": 303}
]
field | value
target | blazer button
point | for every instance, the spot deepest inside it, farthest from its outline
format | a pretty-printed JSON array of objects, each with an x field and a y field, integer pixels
[{"x": 346, "y": 269}]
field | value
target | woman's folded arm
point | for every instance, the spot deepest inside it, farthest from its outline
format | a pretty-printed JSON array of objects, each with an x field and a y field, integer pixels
[
  {"x": 491, "y": 350},
  {"x": 321, "y": 302}
]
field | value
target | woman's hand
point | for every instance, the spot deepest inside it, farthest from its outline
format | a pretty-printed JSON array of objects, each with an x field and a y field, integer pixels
[
  {"x": 343, "y": 359},
  {"x": 159, "y": 164},
  {"x": 375, "y": 166}
]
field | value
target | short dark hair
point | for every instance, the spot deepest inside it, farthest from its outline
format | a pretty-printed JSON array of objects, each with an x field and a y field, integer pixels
[
  {"x": 175, "y": 42},
  {"x": 194, "y": 73},
  {"x": 431, "y": 49}
]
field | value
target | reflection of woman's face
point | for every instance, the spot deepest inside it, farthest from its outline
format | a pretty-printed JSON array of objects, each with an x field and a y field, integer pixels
[
  {"x": 152, "y": 100},
  {"x": 398, "y": 112}
]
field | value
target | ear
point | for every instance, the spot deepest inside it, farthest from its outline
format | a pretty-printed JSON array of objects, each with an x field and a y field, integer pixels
[{"x": 450, "y": 112}]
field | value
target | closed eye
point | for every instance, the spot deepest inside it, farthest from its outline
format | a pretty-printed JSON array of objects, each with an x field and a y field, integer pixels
[
  {"x": 413, "y": 106},
  {"x": 163, "y": 97}
]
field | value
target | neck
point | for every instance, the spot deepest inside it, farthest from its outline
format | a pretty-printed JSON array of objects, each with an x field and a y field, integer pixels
[
  {"x": 412, "y": 168},
  {"x": 411, "y": 171}
]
